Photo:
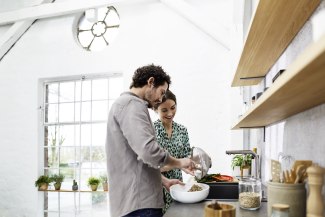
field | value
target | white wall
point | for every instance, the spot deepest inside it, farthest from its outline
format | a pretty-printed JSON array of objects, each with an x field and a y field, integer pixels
[{"x": 149, "y": 33}]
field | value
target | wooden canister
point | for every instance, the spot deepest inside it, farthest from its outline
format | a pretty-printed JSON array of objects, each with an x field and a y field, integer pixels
[
  {"x": 226, "y": 210},
  {"x": 292, "y": 194}
]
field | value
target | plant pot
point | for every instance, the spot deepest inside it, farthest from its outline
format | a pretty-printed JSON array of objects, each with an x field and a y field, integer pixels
[
  {"x": 57, "y": 186},
  {"x": 236, "y": 171},
  {"x": 105, "y": 186},
  {"x": 43, "y": 187},
  {"x": 94, "y": 187}
]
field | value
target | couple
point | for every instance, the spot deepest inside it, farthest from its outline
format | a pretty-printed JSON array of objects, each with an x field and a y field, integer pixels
[{"x": 135, "y": 161}]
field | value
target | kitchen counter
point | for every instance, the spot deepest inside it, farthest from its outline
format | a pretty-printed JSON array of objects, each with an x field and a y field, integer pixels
[{"x": 197, "y": 209}]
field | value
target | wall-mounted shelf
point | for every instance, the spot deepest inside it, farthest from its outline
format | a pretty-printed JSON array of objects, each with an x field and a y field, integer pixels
[
  {"x": 62, "y": 190},
  {"x": 300, "y": 87},
  {"x": 273, "y": 27}
]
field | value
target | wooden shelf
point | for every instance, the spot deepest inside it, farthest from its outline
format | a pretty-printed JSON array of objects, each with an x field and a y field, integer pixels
[
  {"x": 300, "y": 87},
  {"x": 273, "y": 27},
  {"x": 63, "y": 190}
]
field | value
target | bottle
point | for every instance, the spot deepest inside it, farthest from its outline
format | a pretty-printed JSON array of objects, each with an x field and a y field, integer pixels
[
  {"x": 75, "y": 185},
  {"x": 280, "y": 210},
  {"x": 250, "y": 194}
]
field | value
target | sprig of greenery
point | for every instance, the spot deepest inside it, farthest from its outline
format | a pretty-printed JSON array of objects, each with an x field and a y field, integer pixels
[{"x": 93, "y": 180}]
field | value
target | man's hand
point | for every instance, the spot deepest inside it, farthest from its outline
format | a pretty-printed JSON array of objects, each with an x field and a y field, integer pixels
[{"x": 167, "y": 183}]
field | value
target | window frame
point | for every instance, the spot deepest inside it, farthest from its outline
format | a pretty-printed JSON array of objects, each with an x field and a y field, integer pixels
[{"x": 42, "y": 138}]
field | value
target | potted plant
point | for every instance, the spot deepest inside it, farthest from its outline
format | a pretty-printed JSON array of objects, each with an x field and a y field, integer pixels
[
  {"x": 236, "y": 164},
  {"x": 43, "y": 182},
  {"x": 57, "y": 179},
  {"x": 103, "y": 180},
  {"x": 93, "y": 182},
  {"x": 241, "y": 164}
]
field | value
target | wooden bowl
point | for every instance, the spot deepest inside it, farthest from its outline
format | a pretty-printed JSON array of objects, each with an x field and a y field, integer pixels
[{"x": 226, "y": 211}]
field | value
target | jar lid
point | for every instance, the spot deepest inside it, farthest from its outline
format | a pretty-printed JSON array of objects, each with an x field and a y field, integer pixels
[{"x": 280, "y": 206}]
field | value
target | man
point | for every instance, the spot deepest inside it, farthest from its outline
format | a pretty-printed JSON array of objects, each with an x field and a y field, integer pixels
[{"x": 134, "y": 158}]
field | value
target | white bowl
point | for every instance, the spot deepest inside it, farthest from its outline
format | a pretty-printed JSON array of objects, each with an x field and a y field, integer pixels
[{"x": 180, "y": 193}]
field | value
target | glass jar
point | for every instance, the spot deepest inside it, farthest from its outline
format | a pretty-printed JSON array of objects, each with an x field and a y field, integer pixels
[
  {"x": 250, "y": 194},
  {"x": 280, "y": 210}
]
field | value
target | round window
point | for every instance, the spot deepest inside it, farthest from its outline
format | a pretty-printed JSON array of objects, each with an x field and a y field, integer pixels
[{"x": 97, "y": 28}]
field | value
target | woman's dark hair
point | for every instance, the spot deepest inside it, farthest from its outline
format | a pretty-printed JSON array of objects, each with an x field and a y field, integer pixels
[
  {"x": 142, "y": 74},
  {"x": 168, "y": 95}
]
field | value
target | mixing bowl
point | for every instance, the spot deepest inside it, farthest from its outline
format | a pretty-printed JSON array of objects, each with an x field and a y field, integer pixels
[{"x": 181, "y": 193}]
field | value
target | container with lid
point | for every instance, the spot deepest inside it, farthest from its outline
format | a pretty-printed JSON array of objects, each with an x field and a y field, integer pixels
[
  {"x": 250, "y": 194},
  {"x": 280, "y": 210}
]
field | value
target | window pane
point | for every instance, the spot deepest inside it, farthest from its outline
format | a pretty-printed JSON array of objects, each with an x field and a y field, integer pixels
[
  {"x": 98, "y": 157},
  {"x": 86, "y": 135},
  {"x": 67, "y": 201},
  {"x": 100, "y": 89},
  {"x": 53, "y": 203},
  {"x": 115, "y": 87},
  {"x": 66, "y": 112},
  {"x": 99, "y": 134},
  {"x": 67, "y": 92},
  {"x": 85, "y": 157},
  {"x": 85, "y": 111},
  {"x": 77, "y": 112},
  {"x": 86, "y": 90},
  {"x": 67, "y": 135},
  {"x": 78, "y": 91},
  {"x": 68, "y": 155},
  {"x": 51, "y": 112},
  {"x": 99, "y": 110},
  {"x": 53, "y": 90},
  {"x": 52, "y": 156}
]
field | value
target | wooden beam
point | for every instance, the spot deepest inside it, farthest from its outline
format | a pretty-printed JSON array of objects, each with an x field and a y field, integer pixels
[
  {"x": 200, "y": 20},
  {"x": 52, "y": 10},
  {"x": 13, "y": 34}
]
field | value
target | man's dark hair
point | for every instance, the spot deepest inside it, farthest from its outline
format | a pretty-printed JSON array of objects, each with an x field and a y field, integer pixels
[
  {"x": 168, "y": 95},
  {"x": 142, "y": 74}
]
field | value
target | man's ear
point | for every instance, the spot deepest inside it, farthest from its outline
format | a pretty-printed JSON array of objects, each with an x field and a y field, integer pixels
[{"x": 151, "y": 82}]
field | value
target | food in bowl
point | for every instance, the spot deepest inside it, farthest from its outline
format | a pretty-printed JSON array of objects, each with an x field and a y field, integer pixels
[
  {"x": 182, "y": 194},
  {"x": 195, "y": 188}
]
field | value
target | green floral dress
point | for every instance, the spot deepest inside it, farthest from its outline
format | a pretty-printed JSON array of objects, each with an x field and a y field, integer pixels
[{"x": 177, "y": 146}]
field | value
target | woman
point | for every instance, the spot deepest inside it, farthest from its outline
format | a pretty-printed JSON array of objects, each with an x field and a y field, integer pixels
[{"x": 173, "y": 137}]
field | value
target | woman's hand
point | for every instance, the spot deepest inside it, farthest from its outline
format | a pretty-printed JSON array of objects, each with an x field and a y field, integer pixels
[
  {"x": 182, "y": 163},
  {"x": 167, "y": 183}
]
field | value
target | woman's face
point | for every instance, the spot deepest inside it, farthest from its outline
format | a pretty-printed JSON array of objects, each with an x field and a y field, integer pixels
[{"x": 167, "y": 111}]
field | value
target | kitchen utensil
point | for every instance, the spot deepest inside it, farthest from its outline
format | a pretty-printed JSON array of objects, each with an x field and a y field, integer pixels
[
  {"x": 306, "y": 163},
  {"x": 286, "y": 162},
  {"x": 181, "y": 193},
  {"x": 275, "y": 170},
  {"x": 301, "y": 169},
  {"x": 202, "y": 162}
]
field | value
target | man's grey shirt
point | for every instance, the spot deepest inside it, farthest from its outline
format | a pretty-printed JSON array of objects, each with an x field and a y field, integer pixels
[{"x": 133, "y": 157}]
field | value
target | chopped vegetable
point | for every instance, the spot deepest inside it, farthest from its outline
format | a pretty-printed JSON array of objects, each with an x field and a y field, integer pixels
[{"x": 215, "y": 178}]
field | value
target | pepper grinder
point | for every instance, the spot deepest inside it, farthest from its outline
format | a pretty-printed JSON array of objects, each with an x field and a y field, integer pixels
[{"x": 315, "y": 206}]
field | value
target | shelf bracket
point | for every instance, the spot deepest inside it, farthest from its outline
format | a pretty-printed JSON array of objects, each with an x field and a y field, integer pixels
[{"x": 256, "y": 77}]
